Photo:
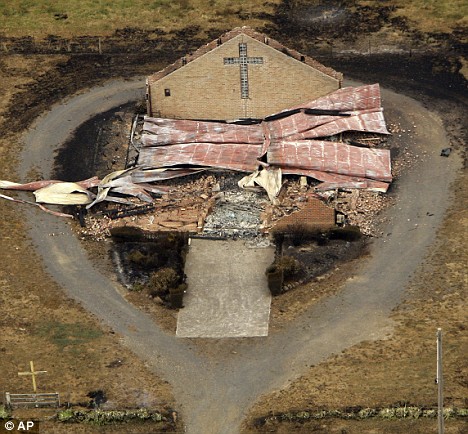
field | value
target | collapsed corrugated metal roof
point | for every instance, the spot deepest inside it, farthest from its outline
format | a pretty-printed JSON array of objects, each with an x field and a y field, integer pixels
[
  {"x": 173, "y": 131},
  {"x": 331, "y": 157},
  {"x": 284, "y": 142},
  {"x": 356, "y": 109},
  {"x": 287, "y": 138},
  {"x": 242, "y": 157}
]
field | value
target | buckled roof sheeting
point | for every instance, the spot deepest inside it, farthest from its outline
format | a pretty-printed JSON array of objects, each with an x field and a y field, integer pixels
[
  {"x": 287, "y": 138},
  {"x": 360, "y": 109},
  {"x": 332, "y": 157},
  {"x": 241, "y": 157},
  {"x": 173, "y": 131}
]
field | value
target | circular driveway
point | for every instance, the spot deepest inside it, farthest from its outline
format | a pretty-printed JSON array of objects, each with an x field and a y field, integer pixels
[{"x": 222, "y": 389}]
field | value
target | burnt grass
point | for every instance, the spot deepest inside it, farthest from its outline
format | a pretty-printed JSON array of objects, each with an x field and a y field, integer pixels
[
  {"x": 140, "y": 255},
  {"x": 317, "y": 252},
  {"x": 432, "y": 76},
  {"x": 99, "y": 145}
]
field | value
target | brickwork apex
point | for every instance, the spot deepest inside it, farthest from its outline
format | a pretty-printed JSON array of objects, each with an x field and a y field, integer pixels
[{"x": 242, "y": 74}]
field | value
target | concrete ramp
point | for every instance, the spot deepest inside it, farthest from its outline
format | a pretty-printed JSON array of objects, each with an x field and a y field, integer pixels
[{"x": 227, "y": 293}]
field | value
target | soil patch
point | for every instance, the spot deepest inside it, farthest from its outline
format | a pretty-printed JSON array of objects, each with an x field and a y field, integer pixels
[
  {"x": 435, "y": 298},
  {"x": 393, "y": 362}
]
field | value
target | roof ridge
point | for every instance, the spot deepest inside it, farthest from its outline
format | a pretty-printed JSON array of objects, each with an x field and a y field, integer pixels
[{"x": 227, "y": 36}]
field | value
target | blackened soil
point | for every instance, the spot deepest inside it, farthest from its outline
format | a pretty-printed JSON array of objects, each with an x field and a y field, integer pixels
[
  {"x": 301, "y": 23},
  {"x": 334, "y": 19},
  {"x": 139, "y": 260},
  {"x": 323, "y": 255},
  {"x": 77, "y": 72},
  {"x": 431, "y": 74},
  {"x": 97, "y": 147}
]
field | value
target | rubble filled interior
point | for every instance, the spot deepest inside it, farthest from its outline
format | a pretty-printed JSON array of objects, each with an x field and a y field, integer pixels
[{"x": 208, "y": 201}]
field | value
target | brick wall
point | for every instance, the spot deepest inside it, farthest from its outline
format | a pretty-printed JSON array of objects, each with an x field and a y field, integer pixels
[
  {"x": 314, "y": 215},
  {"x": 206, "y": 88}
]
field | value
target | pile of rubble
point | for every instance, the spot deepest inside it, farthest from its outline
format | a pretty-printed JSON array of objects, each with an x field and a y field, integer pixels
[
  {"x": 292, "y": 198},
  {"x": 183, "y": 209},
  {"x": 214, "y": 206},
  {"x": 403, "y": 158},
  {"x": 237, "y": 213},
  {"x": 361, "y": 208},
  {"x": 97, "y": 229}
]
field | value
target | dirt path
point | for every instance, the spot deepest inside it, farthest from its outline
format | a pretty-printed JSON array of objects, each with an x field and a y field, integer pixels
[{"x": 215, "y": 393}]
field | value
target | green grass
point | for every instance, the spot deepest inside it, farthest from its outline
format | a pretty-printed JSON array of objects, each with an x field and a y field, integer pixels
[
  {"x": 433, "y": 15},
  {"x": 67, "y": 334},
  {"x": 101, "y": 17},
  {"x": 4, "y": 412}
]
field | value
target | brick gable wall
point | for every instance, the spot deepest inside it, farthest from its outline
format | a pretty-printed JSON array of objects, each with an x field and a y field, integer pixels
[
  {"x": 314, "y": 215},
  {"x": 206, "y": 88}
]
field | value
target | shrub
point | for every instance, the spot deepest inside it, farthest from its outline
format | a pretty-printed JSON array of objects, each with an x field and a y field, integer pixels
[
  {"x": 275, "y": 278},
  {"x": 65, "y": 415},
  {"x": 145, "y": 260},
  {"x": 163, "y": 280},
  {"x": 137, "y": 287},
  {"x": 290, "y": 266},
  {"x": 136, "y": 256},
  {"x": 4, "y": 412}
]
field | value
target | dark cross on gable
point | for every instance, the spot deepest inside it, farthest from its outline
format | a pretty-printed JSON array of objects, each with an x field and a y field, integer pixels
[{"x": 243, "y": 61}]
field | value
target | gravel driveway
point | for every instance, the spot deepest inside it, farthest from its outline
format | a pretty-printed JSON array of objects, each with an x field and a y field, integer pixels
[{"x": 214, "y": 393}]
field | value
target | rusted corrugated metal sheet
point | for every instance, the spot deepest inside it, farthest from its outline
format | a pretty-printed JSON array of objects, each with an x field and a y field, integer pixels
[
  {"x": 363, "y": 104},
  {"x": 152, "y": 175},
  {"x": 161, "y": 132},
  {"x": 348, "y": 99},
  {"x": 331, "y": 181},
  {"x": 221, "y": 155},
  {"x": 371, "y": 122},
  {"x": 172, "y": 142},
  {"x": 332, "y": 157}
]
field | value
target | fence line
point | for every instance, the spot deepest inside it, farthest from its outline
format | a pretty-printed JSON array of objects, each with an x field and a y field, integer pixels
[
  {"x": 32, "y": 400},
  {"x": 102, "y": 46}
]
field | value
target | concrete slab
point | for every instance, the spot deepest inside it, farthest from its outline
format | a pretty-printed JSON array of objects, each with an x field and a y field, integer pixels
[{"x": 227, "y": 293}]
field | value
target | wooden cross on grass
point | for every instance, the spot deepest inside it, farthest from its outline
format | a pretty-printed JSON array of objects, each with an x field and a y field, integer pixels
[{"x": 33, "y": 374}]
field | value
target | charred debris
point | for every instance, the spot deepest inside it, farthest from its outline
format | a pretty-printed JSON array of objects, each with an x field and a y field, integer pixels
[{"x": 228, "y": 179}]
